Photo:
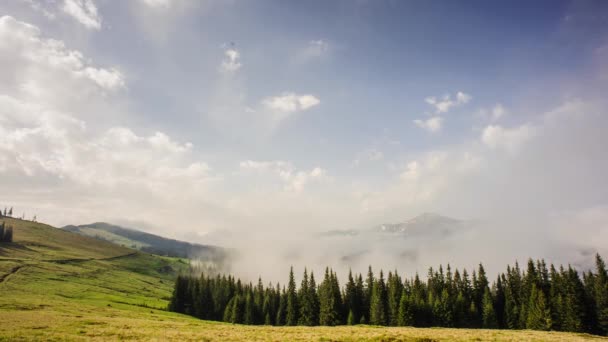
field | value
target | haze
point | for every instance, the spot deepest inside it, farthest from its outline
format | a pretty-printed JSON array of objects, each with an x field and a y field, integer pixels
[{"x": 258, "y": 125}]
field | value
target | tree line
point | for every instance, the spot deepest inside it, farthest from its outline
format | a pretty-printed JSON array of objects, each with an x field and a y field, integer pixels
[
  {"x": 539, "y": 297},
  {"x": 6, "y": 233},
  {"x": 8, "y": 212}
]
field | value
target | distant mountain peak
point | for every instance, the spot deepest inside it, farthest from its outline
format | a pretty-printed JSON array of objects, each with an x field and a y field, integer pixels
[{"x": 423, "y": 224}]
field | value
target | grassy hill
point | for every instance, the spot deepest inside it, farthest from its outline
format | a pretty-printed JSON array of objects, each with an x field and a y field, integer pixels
[
  {"x": 57, "y": 285},
  {"x": 147, "y": 242}
]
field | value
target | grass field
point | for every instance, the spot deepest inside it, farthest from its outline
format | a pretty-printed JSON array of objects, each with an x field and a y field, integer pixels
[{"x": 56, "y": 285}]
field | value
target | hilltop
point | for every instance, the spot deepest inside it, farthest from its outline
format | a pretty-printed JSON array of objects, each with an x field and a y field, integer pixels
[{"x": 147, "y": 242}]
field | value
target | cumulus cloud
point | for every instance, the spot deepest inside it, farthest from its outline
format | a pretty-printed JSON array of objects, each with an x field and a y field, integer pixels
[
  {"x": 290, "y": 102},
  {"x": 432, "y": 125},
  {"x": 511, "y": 140},
  {"x": 444, "y": 104},
  {"x": 231, "y": 62},
  {"x": 40, "y": 7},
  {"x": 32, "y": 53},
  {"x": 84, "y": 11}
]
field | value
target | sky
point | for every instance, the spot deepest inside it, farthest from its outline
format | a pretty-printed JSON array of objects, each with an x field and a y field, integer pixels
[{"x": 193, "y": 118}]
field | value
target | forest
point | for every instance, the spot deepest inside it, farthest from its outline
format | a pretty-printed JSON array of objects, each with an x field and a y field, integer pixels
[{"x": 540, "y": 297}]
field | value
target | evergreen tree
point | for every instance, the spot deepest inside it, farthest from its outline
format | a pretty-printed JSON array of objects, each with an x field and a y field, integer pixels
[
  {"x": 367, "y": 297},
  {"x": 489, "y": 320},
  {"x": 539, "y": 315},
  {"x": 329, "y": 301},
  {"x": 314, "y": 299},
  {"x": 249, "y": 311},
  {"x": 352, "y": 300},
  {"x": 395, "y": 289},
  {"x": 282, "y": 309},
  {"x": 180, "y": 295},
  {"x": 601, "y": 295},
  {"x": 291, "y": 316},
  {"x": 10, "y": 212},
  {"x": 406, "y": 311},
  {"x": 238, "y": 310},
  {"x": 306, "y": 300},
  {"x": 378, "y": 314}
]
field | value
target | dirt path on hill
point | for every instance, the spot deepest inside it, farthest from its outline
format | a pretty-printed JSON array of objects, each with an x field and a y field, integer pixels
[{"x": 14, "y": 270}]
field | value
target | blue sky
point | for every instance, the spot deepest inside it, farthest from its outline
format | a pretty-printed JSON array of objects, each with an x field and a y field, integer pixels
[{"x": 220, "y": 115}]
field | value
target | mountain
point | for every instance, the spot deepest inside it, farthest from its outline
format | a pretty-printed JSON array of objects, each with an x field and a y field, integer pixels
[
  {"x": 427, "y": 224},
  {"x": 149, "y": 243}
]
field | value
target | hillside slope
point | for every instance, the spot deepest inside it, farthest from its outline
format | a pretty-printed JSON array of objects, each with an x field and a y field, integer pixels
[
  {"x": 147, "y": 242},
  {"x": 56, "y": 285}
]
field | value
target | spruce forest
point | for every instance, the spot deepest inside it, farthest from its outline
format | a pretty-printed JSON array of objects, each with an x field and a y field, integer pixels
[{"x": 538, "y": 298}]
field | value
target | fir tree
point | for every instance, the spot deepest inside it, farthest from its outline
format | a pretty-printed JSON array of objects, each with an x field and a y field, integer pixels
[
  {"x": 395, "y": 288},
  {"x": 329, "y": 300},
  {"x": 488, "y": 314},
  {"x": 539, "y": 315},
  {"x": 291, "y": 315},
  {"x": 406, "y": 311},
  {"x": 352, "y": 301},
  {"x": 601, "y": 295},
  {"x": 282, "y": 309},
  {"x": 378, "y": 312},
  {"x": 306, "y": 300}
]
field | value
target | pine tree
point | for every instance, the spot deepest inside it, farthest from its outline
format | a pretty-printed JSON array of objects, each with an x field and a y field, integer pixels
[
  {"x": 395, "y": 289},
  {"x": 10, "y": 212},
  {"x": 406, "y": 311},
  {"x": 282, "y": 308},
  {"x": 238, "y": 310},
  {"x": 179, "y": 299},
  {"x": 314, "y": 299},
  {"x": 601, "y": 295},
  {"x": 329, "y": 300},
  {"x": 292, "y": 314},
  {"x": 352, "y": 300},
  {"x": 367, "y": 297},
  {"x": 249, "y": 311},
  {"x": 378, "y": 314},
  {"x": 488, "y": 314},
  {"x": 306, "y": 301},
  {"x": 539, "y": 315}
]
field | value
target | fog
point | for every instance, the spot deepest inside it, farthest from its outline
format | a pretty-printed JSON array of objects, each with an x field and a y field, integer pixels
[{"x": 543, "y": 199}]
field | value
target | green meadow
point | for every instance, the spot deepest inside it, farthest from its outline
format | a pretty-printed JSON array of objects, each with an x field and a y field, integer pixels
[{"x": 57, "y": 285}]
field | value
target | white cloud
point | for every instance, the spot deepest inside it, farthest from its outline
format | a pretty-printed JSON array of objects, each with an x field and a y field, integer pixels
[
  {"x": 498, "y": 112},
  {"x": 494, "y": 114},
  {"x": 39, "y": 7},
  {"x": 432, "y": 125},
  {"x": 231, "y": 62},
  {"x": 511, "y": 140},
  {"x": 48, "y": 60},
  {"x": 84, "y": 11},
  {"x": 293, "y": 180},
  {"x": 444, "y": 104},
  {"x": 290, "y": 102},
  {"x": 158, "y": 4}
]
